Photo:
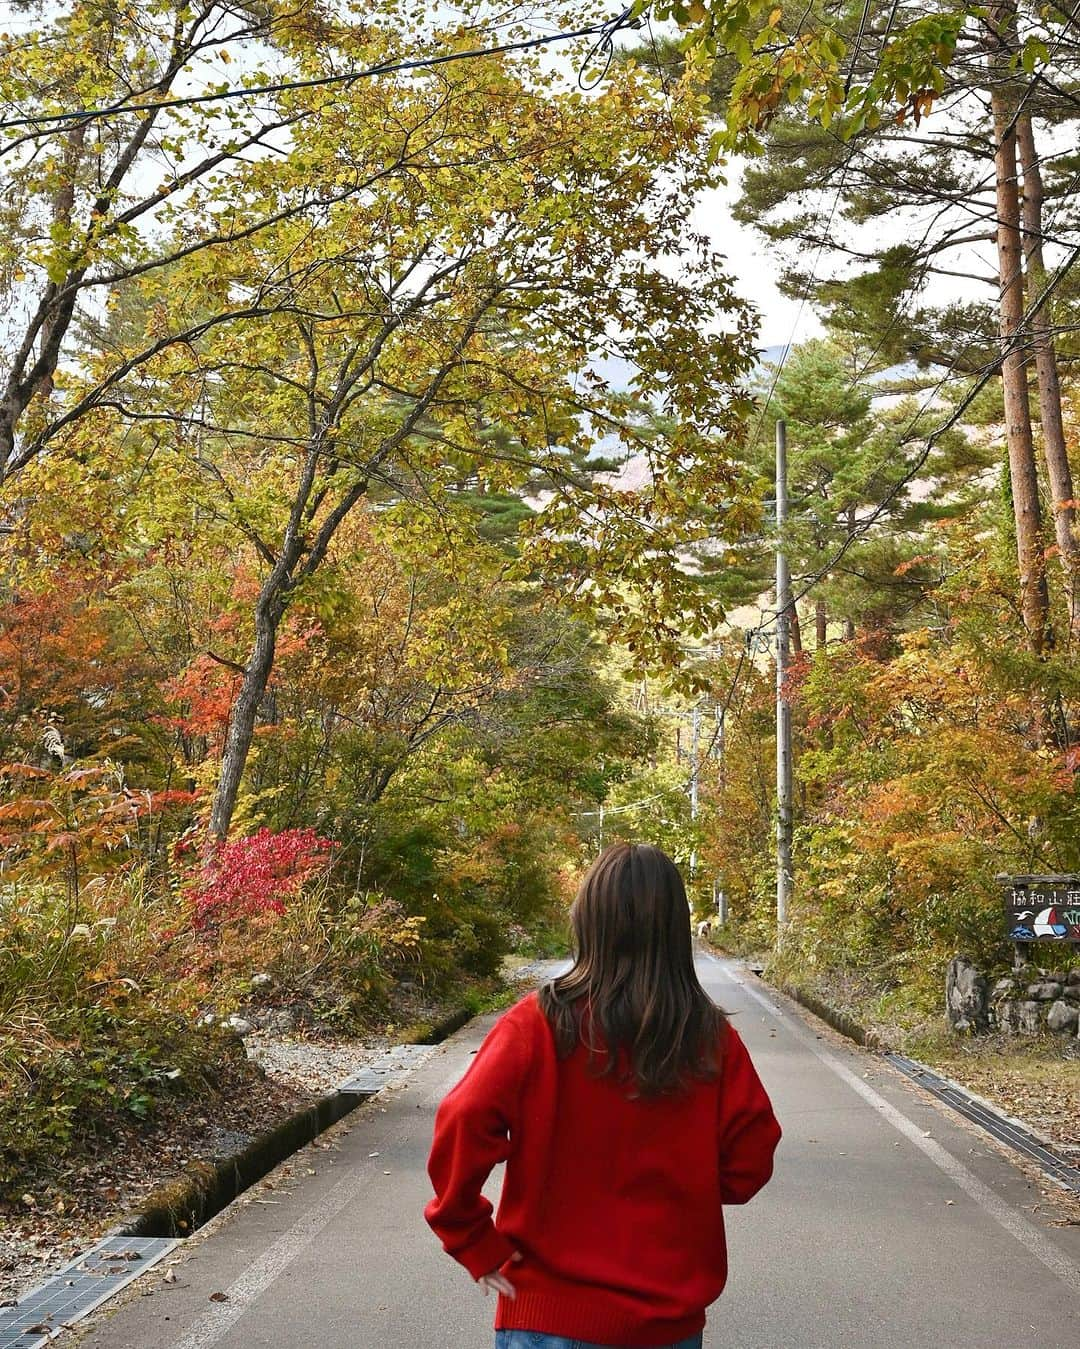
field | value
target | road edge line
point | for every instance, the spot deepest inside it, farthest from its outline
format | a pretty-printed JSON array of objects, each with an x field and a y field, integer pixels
[{"x": 977, "y": 1190}]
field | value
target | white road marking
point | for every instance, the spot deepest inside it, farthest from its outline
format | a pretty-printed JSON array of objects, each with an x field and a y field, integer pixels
[
  {"x": 261, "y": 1273},
  {"x": 1025, "y": 1232},
  {"x": 213, "y": 1326}
]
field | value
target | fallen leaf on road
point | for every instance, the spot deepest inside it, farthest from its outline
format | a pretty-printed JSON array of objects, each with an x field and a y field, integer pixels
[
  {"x": 219, "y": 1297},
  {"x": 170, "y": 1276}
]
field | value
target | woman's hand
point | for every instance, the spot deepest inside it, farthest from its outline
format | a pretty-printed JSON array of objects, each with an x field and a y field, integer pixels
[{"x": 499, "y": 1283}]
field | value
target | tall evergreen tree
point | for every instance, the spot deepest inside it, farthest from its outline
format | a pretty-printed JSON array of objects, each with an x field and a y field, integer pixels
[{"x": 885, "y": 173}]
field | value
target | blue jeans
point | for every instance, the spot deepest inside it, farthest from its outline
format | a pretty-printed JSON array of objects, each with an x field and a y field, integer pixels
[{"x": 533, "y": 1339}]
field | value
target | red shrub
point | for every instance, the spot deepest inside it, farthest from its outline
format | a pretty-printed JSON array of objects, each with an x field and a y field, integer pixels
[{"x": 259, "y": 874}]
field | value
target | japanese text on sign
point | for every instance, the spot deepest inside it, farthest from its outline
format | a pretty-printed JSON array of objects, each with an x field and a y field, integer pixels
[{"x": 1042, "y": 908}]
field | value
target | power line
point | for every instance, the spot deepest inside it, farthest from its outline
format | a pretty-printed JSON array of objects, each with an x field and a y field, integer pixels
[
  {"x": 989, "y": 370},
  {"x": 786, "y": 351},
  {"x": 52, "y": 121},
  {"x": 633, "y": 805}
]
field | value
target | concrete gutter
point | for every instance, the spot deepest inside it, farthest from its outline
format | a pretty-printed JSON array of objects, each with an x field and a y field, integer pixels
[
  {"x": 839, "y": 1021},
  {"x": 203, "y": 1188}
]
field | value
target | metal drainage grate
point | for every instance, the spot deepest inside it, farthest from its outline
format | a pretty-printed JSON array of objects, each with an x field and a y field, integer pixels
[
  {"x": 389, "y": 1068},
  {"x": 999, "y": 1126},
  {"x": 78, "y": 1289}
]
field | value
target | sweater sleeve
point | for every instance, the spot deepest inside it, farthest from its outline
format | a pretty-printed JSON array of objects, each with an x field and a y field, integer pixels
[
  {"x": 749, "y": 1132},
  {"x": 474, "y": 1126}
]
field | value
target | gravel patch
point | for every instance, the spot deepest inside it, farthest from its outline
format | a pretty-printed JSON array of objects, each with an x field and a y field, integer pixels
[{"x": 318, "y": 1065}]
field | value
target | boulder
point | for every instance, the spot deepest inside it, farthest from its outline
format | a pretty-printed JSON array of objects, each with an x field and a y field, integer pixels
[
  {"x": 1004, "y": 988},
  {"x": 261, "y": 980},
  {"x": 239, "y": 1025},
  {"x": 1030, "y": 1018},
  {"x": 1063, "y": 1018},
  {"x": 1073, "y": 979},
  {"x": 1046, "y": 991},
  {"x": 1007, "y": 1015},
  {"x": 965, "y": 997}
]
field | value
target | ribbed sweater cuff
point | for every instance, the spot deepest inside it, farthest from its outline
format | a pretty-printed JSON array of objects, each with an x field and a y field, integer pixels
[
  {"x": 487, "y": 1255},
  {"x": 590, "y": 1320}
]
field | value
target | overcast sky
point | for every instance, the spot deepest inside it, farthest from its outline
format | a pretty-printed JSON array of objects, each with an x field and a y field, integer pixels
[{"x": 752, "y": 269}]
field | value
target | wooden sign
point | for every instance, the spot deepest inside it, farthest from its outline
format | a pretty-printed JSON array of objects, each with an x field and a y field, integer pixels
[{"x": 1042, "y": 908}]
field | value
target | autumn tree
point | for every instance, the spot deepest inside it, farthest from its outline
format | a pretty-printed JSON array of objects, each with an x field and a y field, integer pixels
[{"x": 434, "y": 321}]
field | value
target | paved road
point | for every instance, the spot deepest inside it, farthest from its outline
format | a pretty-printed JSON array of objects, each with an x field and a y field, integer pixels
[{"x": 888, "y": 1225}]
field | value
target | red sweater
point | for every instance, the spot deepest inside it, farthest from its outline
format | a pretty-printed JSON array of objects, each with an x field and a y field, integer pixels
[{"x": 614, "y": 1203}]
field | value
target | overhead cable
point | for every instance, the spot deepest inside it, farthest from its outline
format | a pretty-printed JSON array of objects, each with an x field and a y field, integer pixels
[{"x": 603, "y": 32}]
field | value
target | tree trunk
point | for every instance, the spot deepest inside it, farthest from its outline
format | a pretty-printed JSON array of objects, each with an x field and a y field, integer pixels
[
  {"x": 821, "y": 625},
  {"x": 1058, "y": 471},
  {"x": 1034, "y": 597},
  {"x": 242, "y": 719}
]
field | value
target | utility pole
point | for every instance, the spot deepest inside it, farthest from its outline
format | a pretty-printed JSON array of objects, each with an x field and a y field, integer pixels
[
  {"x": 719, "y": 738},
  {"x": 783, "y": 707},
  {"x": 695, "y": 746}
]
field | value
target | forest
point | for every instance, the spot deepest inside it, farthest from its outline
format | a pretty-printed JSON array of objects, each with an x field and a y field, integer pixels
[{"x": 388, "y": 516}]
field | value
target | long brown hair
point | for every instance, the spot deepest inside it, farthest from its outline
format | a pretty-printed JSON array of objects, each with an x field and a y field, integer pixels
[{"x": 633, "y": 985}]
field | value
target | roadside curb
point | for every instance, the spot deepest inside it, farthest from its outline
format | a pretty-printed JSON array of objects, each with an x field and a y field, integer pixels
[
  {"x": 435, "y": 1032},
  {"x": 178, "y": 1207},
  {"x": 839, "y": 1021}
]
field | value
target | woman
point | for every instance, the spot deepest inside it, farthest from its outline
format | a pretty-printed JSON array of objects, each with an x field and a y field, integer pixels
[{"x": 627, "y": 1111}]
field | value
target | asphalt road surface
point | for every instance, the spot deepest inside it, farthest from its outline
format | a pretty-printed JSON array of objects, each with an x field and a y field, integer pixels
[{"x": 889, "y": 1224}]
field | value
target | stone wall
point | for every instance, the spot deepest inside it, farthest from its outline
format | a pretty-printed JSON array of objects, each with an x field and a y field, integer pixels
[
  {"x": 1028, "y": 1001},
  {"x": 1033, "y": 1000}
]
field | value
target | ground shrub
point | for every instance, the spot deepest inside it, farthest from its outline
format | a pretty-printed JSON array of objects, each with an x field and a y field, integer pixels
[{"x": 97, "y": 1018}]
